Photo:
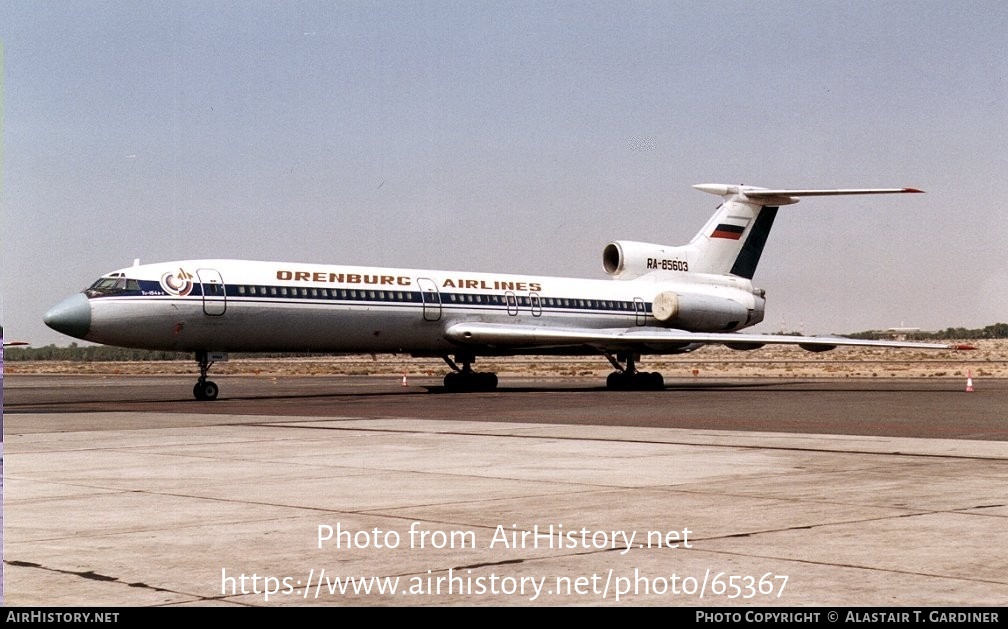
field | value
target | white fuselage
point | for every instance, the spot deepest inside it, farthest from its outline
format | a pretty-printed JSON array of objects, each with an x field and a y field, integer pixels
[{"x": 253, "y": 306}]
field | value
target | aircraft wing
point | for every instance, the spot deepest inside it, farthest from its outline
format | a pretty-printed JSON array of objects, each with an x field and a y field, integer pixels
[{"x": 517, "y": 336}]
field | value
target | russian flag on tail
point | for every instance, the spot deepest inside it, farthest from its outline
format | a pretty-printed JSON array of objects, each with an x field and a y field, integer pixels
[{"x": 729, "y": 231}]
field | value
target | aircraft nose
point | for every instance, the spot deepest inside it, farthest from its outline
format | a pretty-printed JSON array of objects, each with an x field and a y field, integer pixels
[{"x": 72, "y": 316}]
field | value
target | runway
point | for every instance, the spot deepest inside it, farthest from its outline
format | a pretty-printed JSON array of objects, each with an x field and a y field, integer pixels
[{"x": 124, "y": 491}]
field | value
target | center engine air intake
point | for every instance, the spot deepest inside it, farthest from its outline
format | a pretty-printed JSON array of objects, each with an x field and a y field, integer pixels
[{"x": 627, "y": 259}]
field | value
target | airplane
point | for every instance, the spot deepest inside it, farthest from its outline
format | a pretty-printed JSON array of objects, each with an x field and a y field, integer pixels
[
  {"x": 12, "y": 343},
  {"x": 658, "y": 299}
]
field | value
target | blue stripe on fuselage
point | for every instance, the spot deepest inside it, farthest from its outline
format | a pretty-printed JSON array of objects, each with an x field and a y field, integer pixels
[{"x": 450, "y": 300}]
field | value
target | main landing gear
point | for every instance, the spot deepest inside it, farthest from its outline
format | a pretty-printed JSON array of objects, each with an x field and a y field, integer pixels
[
  {"x": 204, "y": 389},
  {"x": 627, "y": 378},
  {"x": 464, "y": 378}
]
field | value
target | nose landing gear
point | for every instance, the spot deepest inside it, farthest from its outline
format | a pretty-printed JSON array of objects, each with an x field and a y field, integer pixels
[{"x": 204, "y": 389}]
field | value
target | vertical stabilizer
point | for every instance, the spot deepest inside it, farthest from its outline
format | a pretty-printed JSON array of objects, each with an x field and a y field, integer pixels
[{"x": 732, "y": 241}]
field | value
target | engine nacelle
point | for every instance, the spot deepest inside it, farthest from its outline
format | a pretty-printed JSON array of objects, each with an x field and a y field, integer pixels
[
  {"x": 627, "y": 259},
  {"x": 705, "y": 313}
]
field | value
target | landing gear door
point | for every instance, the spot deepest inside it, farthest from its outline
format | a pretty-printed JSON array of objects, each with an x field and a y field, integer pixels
[
  {"x": 431, "y": 299},
  {"x": 214, "y": 295}
]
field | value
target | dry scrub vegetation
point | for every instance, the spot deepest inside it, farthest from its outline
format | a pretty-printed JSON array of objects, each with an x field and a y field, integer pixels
[{"x": 988, "y": 360}]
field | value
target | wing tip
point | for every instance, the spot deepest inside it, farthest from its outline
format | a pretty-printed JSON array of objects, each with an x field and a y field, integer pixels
[{"x": 915, "y": 190}]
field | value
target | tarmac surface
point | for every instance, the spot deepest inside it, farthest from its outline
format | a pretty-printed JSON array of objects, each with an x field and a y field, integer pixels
[{"x": 353, "y": 490}]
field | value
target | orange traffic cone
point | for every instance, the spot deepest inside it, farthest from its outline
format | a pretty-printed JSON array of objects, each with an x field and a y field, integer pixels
[
  {"x": 404, "y": 379},
  {"x": 969, "y": 382}
]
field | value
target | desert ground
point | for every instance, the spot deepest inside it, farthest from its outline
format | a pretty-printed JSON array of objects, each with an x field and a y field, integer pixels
[{"x": 988, "y": 360}]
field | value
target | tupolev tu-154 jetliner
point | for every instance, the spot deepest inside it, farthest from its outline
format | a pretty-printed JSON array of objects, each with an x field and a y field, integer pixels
[{"x": 664, "y": 300}]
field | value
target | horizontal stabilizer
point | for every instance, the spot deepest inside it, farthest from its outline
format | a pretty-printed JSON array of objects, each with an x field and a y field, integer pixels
[
  {"x": 825, "y": 193},
  {"x": 752, "y": 192}
]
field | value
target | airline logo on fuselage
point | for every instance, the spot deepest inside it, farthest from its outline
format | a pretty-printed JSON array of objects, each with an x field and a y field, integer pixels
[
  {"x": 179, "y": 284},
  {"x": 401, "y": 280}
]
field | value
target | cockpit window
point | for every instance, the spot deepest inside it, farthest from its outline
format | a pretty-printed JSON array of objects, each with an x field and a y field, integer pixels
[
  {"x": 105, "y": 283},
  {"x": 112, "y": 285}
]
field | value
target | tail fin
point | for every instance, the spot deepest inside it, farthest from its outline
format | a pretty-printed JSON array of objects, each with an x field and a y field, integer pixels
[{"x": 732, "y": 241}]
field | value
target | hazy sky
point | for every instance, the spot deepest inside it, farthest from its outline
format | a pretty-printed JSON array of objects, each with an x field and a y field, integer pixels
[{"x": 510, "y": 136}]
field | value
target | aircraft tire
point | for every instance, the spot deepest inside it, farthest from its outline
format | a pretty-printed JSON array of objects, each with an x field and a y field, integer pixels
[
  {"x": 655, "y": 381},
  {"x": 488, "y": 381},
  {"x": 451, "y": 381},
  {"x": 617, "y": 381},
  {"x": 206, "y": 390},
  {"x": 470, "y": 381}
]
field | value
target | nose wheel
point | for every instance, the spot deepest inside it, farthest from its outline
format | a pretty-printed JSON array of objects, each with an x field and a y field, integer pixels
[{"x": 204, "y": 389}]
